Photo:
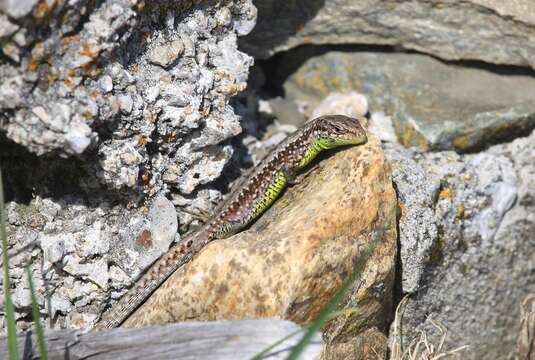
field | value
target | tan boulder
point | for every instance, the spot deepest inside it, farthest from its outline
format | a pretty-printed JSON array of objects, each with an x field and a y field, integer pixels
[{"x": 296, "y": 256}]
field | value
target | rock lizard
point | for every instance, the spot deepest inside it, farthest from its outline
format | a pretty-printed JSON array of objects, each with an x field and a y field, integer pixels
[{"x": 251, "y": 197}]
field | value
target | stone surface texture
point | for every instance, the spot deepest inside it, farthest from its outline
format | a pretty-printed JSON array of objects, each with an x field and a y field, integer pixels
[
  {"x": 466, "y": 234},
  {"x": 296, "y": 256},
  {"x": 449, "y": 29},
  {"x": 112, "y": 113},
  {"x": 144, "y": 87},
  {"x": 432, "y": 104}
]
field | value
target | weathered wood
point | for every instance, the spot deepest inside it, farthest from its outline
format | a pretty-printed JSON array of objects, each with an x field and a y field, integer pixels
[{"x": 214, "y": 340}]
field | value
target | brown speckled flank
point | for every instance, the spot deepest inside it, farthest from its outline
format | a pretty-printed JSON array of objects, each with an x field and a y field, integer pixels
[{"x": 252, "y": 197}]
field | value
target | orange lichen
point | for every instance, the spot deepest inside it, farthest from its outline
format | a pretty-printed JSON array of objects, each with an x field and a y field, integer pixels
[
  {"x": 142, "y": 141},
  {"x": 402, "y": 208},
  {"x": 32, "y": 67},
  {"x": 68, "y": 83},
  {"x": 446, "y": 194}
]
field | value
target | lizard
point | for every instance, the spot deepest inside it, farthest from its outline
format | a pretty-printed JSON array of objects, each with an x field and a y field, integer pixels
[{"x": 251, "y": 197}]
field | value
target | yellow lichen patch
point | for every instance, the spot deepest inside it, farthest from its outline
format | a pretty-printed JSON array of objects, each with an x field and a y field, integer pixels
[
  {"x": 32, "y": 66},
  {"x": 408, "y": 136},
  {"x": 462, "y": 142},
  {"x": 446, "y": 193},
  {"x": 361, "y": 294},
  {"x": 459, "y": 215},
  {"x": 87, "y": 115}
]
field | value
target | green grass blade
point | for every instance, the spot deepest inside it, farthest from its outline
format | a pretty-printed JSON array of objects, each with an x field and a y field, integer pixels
[
  {"x": 330, "y": 308},
  {"x": 10, "y": 310},
  {"x": 266, "y": 351},
  {"x": 37, "y": 319}
]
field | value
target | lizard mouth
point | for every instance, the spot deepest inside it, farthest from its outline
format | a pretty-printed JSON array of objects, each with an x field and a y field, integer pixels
[{"x": 353, "y": 141}]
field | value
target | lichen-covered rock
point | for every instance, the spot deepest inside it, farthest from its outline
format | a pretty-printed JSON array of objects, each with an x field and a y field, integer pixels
[
  {"x": 144, "y": 86},
  {"x": 495, "y": 31},
  {"x": 433, "y": 105},
  {"x": 466, "y": 235},
  {"x": 105, "y": 106},
  {"x": 296, "y": 256}
]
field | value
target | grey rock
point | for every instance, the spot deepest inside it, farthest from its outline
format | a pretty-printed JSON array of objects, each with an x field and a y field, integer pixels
[
  {"x": 59, "y": 304},
  {"x": 17, "y": 9},
  {"x": 118, "y": 278},
  {"x": 94, "y": 241},
  {"x": 22, "y": 297},
  {"x": 163, "y": 222},
  {"x": 11, "y": 87},
  {"x": 350, "y": 104},
  {"x": 119, "y": 74},
  {"x": 381, "y": 125},
  {"x": 120, "y": 164},
  {"x": 126, "y": 103},
  {"x": 417, "y": 227},
  {"x": 480, "y": 264},
  {"x": 490, "y": 30},
  {"x": 7, "y": 28},
  {"x": 106, "y": 83},
  {"x": 166, "y": 54},
  {"x": 284, "y": 110},
  {"x": 95, "y": 271},
  {"x": 433, "y": 105},
  {"x": 54, "y": 248}
]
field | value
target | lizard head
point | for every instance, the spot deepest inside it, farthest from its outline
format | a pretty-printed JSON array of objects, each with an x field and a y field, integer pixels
[{"x": 332, "y": 131}]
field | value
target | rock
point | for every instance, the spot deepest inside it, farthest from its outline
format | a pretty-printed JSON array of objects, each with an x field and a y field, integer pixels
[
  {"x": 106, "y": 83},
  {"x": 54, "y": 248},
  {"x": 95, "y": 241},
  {"x": 418, "y": 232},
  {"x": 381, "y": 126},
  {"x": 349, "y": 104},
  {"x": 7, "y": 28},
  {"x": 17, "y": 9},
  {"x": 126, "y": 103},
  {"x": 526, "y": 337},
  {"x": 480, "y": 264},
  {"x": 493, "y": 31},
  {"x": 284, "y": 110},
  {"x": 292, "y": 260},
  {"x": 433, "y": 105},
  {"x": 114, "y": 76},
  {"x": 163, "y": 222},
  {"x": 59, "y": 304},
  {"x": 95, "y": 271},
  {"x": 22, "y": 297},
  {"x": 165, "y": 55}
]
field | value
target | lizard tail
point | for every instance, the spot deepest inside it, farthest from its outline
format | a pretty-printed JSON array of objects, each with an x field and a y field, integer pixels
[{"x": 166, "y": 265}]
